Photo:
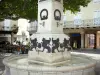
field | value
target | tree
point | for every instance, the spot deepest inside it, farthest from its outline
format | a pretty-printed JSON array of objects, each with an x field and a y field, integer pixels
[{"x": 15, "y": 9}]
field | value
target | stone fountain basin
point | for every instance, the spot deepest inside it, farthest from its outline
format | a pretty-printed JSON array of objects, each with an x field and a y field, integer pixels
[
  {"x": 50, "y": 59},
  {"x": 19, "y": 65}
]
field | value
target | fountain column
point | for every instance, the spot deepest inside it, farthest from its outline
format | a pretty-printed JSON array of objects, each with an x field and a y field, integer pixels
[
  {"x": 50, "y": 41},
  {"x": 50, "y": 16}
]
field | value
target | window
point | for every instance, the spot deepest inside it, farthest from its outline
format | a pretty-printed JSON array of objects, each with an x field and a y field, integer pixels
[
  {"x": 78, "y": 19},
  {"x": 7, "y": 24},
  {"x": 97, "y": 17},
  {"x": 64, "y": 19}
]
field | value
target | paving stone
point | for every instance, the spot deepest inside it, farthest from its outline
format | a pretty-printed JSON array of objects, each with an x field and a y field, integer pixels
[{"x": 97, "y": 69}]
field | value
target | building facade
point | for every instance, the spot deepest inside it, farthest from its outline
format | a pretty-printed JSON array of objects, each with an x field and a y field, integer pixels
[
  {"x": 8, "y": 29},
  {"x": 84, "y": 27}
]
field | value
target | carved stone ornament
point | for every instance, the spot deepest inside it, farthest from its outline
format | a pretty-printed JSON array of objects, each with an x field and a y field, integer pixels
[{"x": 50, "y": 48}]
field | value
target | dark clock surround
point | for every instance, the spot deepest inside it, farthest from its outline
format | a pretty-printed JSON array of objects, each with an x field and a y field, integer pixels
[
  {"x": 57, "y": 17},
  {"x": 44, "y": 17}
]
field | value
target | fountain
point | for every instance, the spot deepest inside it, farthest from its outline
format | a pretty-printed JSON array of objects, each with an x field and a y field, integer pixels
[{"x": 50, "y": 54}]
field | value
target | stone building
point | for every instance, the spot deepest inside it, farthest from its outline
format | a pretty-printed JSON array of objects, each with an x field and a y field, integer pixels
[
  {"x": 8, "y": 30},
  {"x": 84, "y": 27}
]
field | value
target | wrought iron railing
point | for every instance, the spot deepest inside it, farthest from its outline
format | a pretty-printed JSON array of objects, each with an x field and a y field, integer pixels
[
  {"x": 7, "y": 28},
  {"x": 82, "y": 23},
  {"x": 78, "y": 23},
  {"x": 10, "y": 27},
  {"x": 32, "y": 27}
]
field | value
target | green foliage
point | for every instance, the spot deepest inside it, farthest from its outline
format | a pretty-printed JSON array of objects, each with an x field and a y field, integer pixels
[
  {"x": 14, "y": 9},
  {"x": 74, "y": 5}
]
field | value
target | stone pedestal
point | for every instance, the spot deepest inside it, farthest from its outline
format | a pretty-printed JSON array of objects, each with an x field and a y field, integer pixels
[{"x": 50, "y": 41}]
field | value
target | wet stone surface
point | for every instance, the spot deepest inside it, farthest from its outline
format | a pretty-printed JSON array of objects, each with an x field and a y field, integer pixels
[{"x": 97, "y": 69}]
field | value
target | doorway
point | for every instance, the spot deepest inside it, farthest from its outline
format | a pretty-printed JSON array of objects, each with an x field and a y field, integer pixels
[
  {"x": 75, "y": 40},
  {"x": 90, "y": 41}
]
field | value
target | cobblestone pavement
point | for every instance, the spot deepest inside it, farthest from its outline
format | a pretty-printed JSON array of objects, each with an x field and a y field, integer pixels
[
  {"x": 1, "y": 64},
  {"x": 94, "y": 54}
]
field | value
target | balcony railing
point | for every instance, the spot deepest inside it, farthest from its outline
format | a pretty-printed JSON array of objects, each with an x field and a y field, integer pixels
[
  {"x": 82, "y": 23},
  {"x": 8, "y": 28},
  {"x": 32, "y": 27},
  {"x": 8, "y": 25}
]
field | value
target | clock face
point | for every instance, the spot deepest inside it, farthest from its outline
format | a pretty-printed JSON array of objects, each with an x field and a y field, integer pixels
[
  {"x": 57, "y": 14},
  {"x": 44, "y": 14}
]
